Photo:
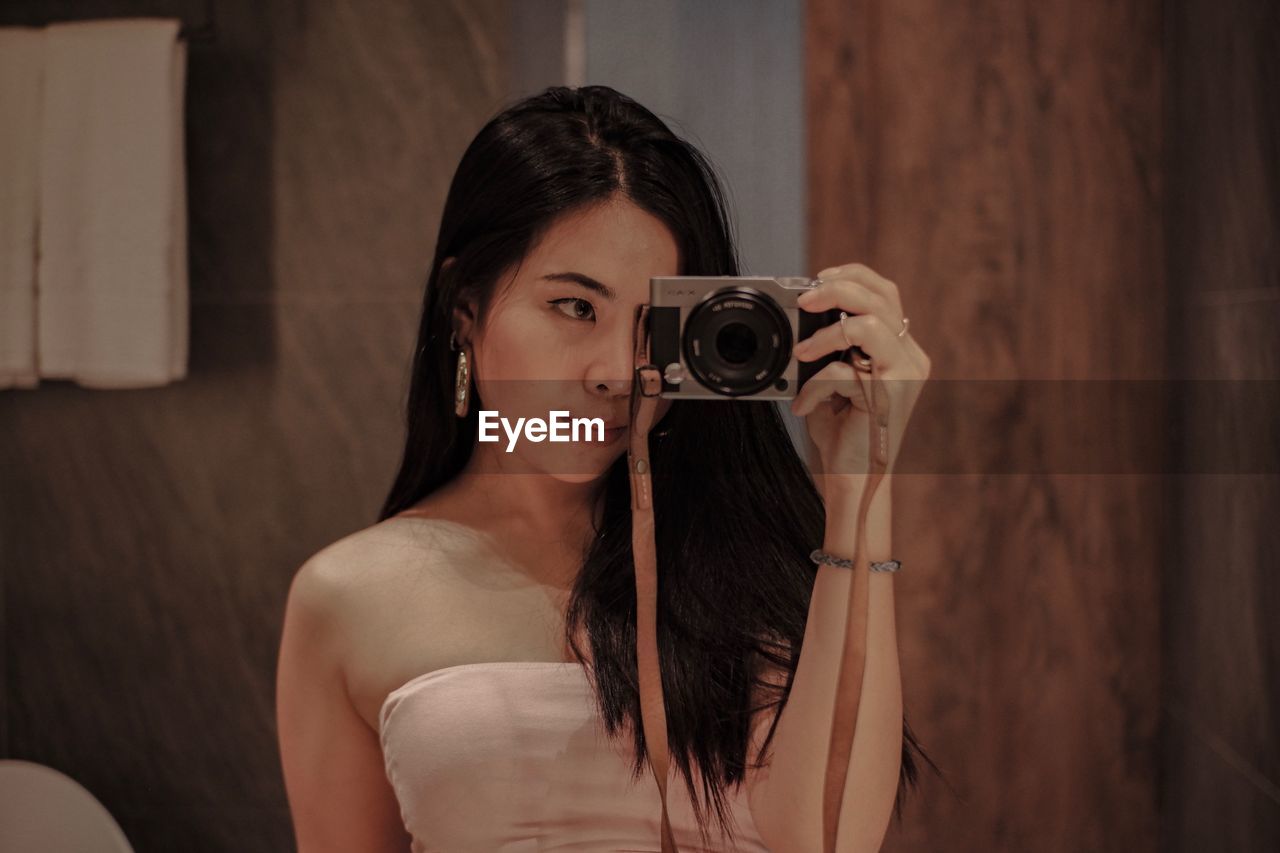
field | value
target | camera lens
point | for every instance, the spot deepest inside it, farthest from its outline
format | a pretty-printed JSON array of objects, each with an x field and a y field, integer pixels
[{"x": 737, "y": 341}]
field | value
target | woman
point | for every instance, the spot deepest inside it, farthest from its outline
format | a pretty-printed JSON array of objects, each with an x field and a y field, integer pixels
[{"x": 461, "y": 675}]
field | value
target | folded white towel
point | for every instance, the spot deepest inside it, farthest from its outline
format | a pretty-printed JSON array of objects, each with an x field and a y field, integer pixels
[
  {"x": 112, "y": 275},
  {"x": 21, "y": 70}
]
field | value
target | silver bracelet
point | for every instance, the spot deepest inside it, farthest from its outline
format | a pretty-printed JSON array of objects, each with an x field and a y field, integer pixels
[{"x": 819, "y": 556}]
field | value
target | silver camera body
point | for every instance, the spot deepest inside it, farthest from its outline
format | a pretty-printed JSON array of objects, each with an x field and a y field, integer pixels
[{"x": 714, "y": 337}]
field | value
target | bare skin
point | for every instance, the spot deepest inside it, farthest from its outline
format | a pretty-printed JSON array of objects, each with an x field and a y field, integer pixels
[
  {"x": 449, "y": 593},
  {"x": 481, "y": 569}
]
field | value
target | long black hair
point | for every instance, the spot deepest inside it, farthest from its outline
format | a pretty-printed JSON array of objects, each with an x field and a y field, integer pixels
[{"x": 736, "y": 512}]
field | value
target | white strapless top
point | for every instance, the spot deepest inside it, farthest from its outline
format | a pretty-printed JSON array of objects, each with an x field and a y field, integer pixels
[{"x": 512, "y": 757}]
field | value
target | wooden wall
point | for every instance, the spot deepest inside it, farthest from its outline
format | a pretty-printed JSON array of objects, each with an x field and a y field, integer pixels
[
  {"x": 1221, "y": 702},
  {"x": 1002, "y": 162}
]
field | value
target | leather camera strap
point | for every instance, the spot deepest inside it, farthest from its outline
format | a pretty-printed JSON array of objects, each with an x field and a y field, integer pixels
[
  {"x": 644, "y": 402},
  {"x": 853, "y": 657}
]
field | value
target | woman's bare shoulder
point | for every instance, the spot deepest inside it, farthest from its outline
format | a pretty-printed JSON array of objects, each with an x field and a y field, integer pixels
[
  {"x": 384, "y": 595},
  {"x": 385, "y": 561}
]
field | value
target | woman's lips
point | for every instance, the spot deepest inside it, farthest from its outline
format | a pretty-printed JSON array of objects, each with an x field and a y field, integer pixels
[{"x": 612, "y": 435}]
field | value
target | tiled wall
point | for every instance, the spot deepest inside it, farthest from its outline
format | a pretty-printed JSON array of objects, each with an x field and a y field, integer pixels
[{"x": 149, "y": 536}]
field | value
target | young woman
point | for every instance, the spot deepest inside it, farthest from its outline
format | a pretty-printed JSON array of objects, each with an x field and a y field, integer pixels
[{"x": 461, "y": 676}]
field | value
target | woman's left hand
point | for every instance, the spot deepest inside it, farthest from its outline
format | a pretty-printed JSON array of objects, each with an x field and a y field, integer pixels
[{"x": 833, "y": 400}]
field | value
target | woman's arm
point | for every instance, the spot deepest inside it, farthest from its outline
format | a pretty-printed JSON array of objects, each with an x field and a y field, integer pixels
[
  {"x": 786, "y": 795},
  {"x": 339, "y": 795}
]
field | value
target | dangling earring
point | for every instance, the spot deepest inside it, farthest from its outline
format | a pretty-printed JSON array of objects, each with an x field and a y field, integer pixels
[{"x": 462, "y": 380}]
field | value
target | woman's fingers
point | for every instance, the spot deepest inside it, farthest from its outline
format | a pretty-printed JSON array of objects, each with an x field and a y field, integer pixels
[
  {"x": 869, "y": 278},
  {"x": 838, "y": 377},
  {"x": 867, "y": 331},
  {"x": 875, "y": 305}
]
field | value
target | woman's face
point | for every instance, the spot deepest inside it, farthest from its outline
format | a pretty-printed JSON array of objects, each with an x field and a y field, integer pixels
[{"x": 559, "y": 337}]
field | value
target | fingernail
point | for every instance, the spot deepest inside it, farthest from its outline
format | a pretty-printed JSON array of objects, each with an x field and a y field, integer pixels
[{"x": 805, "y": 298}]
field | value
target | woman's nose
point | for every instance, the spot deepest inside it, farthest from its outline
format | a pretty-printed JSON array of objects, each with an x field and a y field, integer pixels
[{"x": 611, "y": 371}]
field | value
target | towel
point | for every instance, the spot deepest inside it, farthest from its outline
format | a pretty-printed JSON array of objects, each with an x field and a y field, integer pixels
[
  {"x": 21, "y": 69},
  {"x": 112, "y": 301}
]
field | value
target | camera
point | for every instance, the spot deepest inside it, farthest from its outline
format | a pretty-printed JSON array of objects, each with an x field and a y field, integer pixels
[{"x": 732, "y": 336}]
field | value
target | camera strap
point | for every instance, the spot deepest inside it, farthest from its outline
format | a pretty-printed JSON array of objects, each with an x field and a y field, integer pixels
[{"x": 645, "y": 392}]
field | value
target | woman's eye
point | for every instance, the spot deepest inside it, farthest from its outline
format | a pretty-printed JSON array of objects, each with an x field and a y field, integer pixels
[{"x": 577, "y": 302}]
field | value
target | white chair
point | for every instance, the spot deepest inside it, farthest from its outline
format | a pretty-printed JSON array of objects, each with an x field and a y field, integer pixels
[{"x": 45, "y": 811}]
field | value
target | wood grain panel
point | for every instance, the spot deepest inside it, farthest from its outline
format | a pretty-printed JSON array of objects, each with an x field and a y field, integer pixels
[
  {"x": 1002, "y": 163},
  {"x": 1222, "y": 636}
]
